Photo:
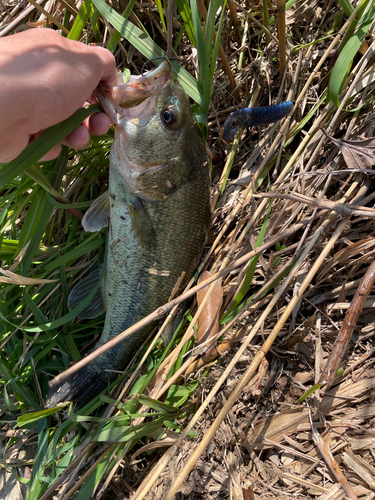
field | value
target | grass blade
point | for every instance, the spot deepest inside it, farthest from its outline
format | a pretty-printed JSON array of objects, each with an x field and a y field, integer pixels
[
  {"x": 185, "y": 11},
  {"x": 115, "y": 38},
  {"x": 345, "y": 61},
  {"x": 252, "y": 265},
  {"x": 148, "y": 47},
  {"x": 44, "y": 143},
  {"x": 202, "y": 55},
  {"x": 34, "y": 227},
  {"x": 80, "y": 21}
]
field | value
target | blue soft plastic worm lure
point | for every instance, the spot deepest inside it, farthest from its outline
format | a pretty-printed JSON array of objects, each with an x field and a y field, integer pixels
[{"x": 255, "y": 116}]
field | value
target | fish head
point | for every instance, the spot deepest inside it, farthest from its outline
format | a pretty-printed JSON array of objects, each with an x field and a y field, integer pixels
[
  {"x": 116, "y": 95},
  {"x": 156, "y": 140}
]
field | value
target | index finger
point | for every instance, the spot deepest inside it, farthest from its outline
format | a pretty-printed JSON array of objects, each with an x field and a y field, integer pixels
[{"x": 108, "y": 61}]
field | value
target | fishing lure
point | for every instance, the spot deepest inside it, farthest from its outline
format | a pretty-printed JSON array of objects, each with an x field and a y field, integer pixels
[{"x": 255, "y": 116}]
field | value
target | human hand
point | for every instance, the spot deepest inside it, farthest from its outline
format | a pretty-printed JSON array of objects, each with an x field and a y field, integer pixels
[{"x": 44, "y": 79}]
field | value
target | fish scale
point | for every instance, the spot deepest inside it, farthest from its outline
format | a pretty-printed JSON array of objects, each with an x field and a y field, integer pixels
[
  {"x": 158, "y": 212},
  {"x": 178, "y": 247}
]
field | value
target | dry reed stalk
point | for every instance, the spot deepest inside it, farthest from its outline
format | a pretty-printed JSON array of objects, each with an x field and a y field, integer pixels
[
  {"x": 318, "y": 31},
  {"x": 111, "y": 473},
  {"x": 6, "y": 10},
  {"x": 169, "y": 28},
  {"x": 360, "y": 467},
  {"x": 338, "y": 306},
  {"x": 72, "y": 478},
  {"x": 189, "y": 332},
  {"x": 233, "y": 12},
  {"x": 343, "y": 338},
  {"x": 149, "y": 481},
  {"x": 288, "y": 449},
  {"x": 89, "y": 471},
  {"x": 69, "y": 7},
  {"x": 73, "y": 465},
  {"x": 281, "y": 32},
  {"x": 162, "y": 387},
  {"x": 244, "y": 38},
  {"x": 49, "y": 16},
  {"x": 308, "y": 484},
  {"x": 344, "y": 256},
  {"x": 16, "y": 279},
  {"x": 341, "y": 208},
  {"x": 266, "y": 21},
  {"x": 260, "y": 355},
  {"x": 331, "y": 462},
  {"x": 255, "y": 21},
  {"x": 25, "y": 14},
  {"x": 161, "y": 311}
]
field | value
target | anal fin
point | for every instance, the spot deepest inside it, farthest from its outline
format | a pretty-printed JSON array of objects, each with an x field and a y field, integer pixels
[{"x": 82, "y": 289}]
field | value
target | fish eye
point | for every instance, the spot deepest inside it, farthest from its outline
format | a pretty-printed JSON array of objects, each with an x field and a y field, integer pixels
[{"x": 168, "y": 116}]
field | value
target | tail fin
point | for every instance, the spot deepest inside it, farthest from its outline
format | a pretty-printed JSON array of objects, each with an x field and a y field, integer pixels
[{"x": 83, "y": 386}]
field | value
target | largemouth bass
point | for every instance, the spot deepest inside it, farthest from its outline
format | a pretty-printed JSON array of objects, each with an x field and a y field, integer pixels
[{"x": 158, "y": 213}]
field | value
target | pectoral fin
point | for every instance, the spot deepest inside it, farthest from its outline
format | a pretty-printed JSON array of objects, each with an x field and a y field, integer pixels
[
  {"x": 142, "y": 224},
  {"x": 82, "y": 289},
  {"x": 97, "y": 215},
  {"x": 159, "y": 182}
]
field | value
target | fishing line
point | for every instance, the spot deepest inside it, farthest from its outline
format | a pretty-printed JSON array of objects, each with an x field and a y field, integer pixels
[{"x": 181, "y": 61}]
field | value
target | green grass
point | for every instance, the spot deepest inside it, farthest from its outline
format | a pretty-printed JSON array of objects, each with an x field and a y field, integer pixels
[
  {"x": 38, "y": 333},
  {"x": 41, "y": 238}
]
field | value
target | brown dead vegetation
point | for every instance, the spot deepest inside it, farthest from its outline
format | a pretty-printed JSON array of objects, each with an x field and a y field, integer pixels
[{"x": 253, "y": 440}]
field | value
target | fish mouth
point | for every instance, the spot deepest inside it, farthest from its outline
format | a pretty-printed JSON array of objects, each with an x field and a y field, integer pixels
[
  {"x": 137, "y": 89},
  {"x": 143, "y": 86}
]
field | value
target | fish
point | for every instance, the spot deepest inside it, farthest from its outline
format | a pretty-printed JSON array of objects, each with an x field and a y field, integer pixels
[
  {"x": 249, "y": 117},
  {"x": 157, "y": 209}
]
